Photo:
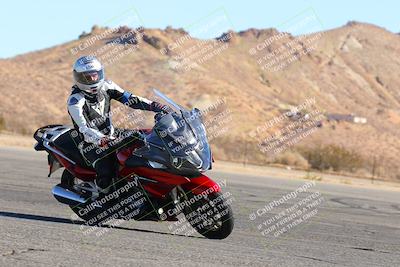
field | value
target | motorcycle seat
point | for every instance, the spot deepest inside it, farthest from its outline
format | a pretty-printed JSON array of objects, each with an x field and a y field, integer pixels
[{"x": 69, "y": 147}]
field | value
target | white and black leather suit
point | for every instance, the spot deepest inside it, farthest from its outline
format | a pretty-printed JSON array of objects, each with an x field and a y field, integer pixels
[{"x": 91, "y": 118}]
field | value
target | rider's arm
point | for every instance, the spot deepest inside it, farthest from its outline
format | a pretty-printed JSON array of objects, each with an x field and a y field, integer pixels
[
  {"x": 133, "y": 101},
  {"x": 75, "y": 109}
]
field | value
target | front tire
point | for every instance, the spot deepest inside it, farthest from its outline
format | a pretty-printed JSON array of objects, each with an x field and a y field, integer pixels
[{"x": 210, "y": 215}]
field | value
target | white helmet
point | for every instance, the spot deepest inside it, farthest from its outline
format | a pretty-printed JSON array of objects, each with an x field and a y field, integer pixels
[{"x": 88, "y": 74}]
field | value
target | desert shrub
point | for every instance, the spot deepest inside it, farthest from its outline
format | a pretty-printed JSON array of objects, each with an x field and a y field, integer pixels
[
  {"x": 336, "y": 158},
  {"x": 292, "y": 158},
  {"x": 153, "y": 41},
  {"x": 234, "y": 149},
  {"x": 24, "y": 131},
  {"x": 2, "y": 124}
]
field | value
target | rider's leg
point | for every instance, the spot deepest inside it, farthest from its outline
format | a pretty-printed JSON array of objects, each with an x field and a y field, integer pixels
[{"x": 105, "y": 170}]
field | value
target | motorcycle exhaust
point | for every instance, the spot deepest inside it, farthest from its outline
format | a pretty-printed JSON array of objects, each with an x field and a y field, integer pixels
[{"x": 66, "y": 196}]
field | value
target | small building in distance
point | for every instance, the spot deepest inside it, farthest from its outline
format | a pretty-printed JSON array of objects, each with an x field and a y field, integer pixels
[{"x": 346, "y": 117}]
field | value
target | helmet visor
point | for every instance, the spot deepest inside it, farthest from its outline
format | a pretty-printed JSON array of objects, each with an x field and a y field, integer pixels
[{"x": 89, "y": 77}]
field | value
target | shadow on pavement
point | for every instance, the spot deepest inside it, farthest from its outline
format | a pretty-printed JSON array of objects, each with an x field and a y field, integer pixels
[{"x": 69, "y": 221}]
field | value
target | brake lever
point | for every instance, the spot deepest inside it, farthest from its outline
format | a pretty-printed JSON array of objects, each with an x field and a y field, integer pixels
[
  {"x": 143, "y": 137},
  {"x": 158, "y": 116}
]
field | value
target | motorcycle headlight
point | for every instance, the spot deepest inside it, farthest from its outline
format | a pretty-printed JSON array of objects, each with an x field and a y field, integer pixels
[
  {"x": 194, "y": 159},
  {"x": 176, "y": 162}
]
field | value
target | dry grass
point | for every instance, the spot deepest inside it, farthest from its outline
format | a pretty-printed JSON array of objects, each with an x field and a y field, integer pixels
[
  {"x": 16, "y": 140},
  {"x": 292, "y": 158}
]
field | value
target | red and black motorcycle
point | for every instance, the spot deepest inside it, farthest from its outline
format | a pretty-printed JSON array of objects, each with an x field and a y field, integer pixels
[{"x": 160, "y": 175}]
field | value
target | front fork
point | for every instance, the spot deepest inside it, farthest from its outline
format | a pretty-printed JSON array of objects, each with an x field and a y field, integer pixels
[{"x": 163, "y": 208}]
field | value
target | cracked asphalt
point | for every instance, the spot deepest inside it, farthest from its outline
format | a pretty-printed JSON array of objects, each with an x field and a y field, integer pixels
[{"x": 340, "y": 226}]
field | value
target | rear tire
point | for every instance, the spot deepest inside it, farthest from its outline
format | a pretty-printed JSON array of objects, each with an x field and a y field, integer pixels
[
  {"x": 68, "y": 181},
  {"x": 211, "y": 216}
]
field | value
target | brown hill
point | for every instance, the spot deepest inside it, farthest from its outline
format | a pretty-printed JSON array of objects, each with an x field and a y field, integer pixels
[{"x": 253, "y": 76}]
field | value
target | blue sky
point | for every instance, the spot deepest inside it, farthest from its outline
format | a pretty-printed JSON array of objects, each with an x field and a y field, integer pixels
[{"x": 32, "y": 25}]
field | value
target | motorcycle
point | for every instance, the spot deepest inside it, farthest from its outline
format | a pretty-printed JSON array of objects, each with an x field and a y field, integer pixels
[{"x": 160, "y": 175}]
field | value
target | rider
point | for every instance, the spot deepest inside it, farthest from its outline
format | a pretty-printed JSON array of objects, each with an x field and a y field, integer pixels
[{"x": 89, "y": 108}]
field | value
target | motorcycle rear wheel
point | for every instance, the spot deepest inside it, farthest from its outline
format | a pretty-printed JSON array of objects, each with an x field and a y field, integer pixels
[{"x": 92, "y": 217}]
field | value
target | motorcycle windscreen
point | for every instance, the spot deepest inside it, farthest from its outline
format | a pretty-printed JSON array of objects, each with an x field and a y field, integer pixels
[{"x": 185, "y": 139}]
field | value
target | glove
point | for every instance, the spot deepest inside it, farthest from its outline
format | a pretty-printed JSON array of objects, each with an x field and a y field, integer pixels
[
  {"x": 158, "y": 107},
  {"x": 103, "y": 141}
]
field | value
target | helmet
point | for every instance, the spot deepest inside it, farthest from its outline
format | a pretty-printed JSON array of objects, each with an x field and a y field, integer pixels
[{"x": 88, "y": 74}]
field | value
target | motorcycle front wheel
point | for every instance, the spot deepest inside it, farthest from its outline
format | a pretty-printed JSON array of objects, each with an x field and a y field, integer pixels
[{"x": 210, "y": 215}]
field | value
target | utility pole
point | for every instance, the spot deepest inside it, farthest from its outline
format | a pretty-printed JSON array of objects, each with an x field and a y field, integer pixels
[
  {"x": 245, "y": 154},
  {"x": 373, "y": 169}
]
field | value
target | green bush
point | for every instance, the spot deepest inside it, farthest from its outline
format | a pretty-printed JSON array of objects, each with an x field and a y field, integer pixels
[{"x": 336, "y": 158}]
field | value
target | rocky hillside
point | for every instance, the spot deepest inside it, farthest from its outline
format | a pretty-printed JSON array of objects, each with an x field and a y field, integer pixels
[{"x": 242, "y": 80}]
